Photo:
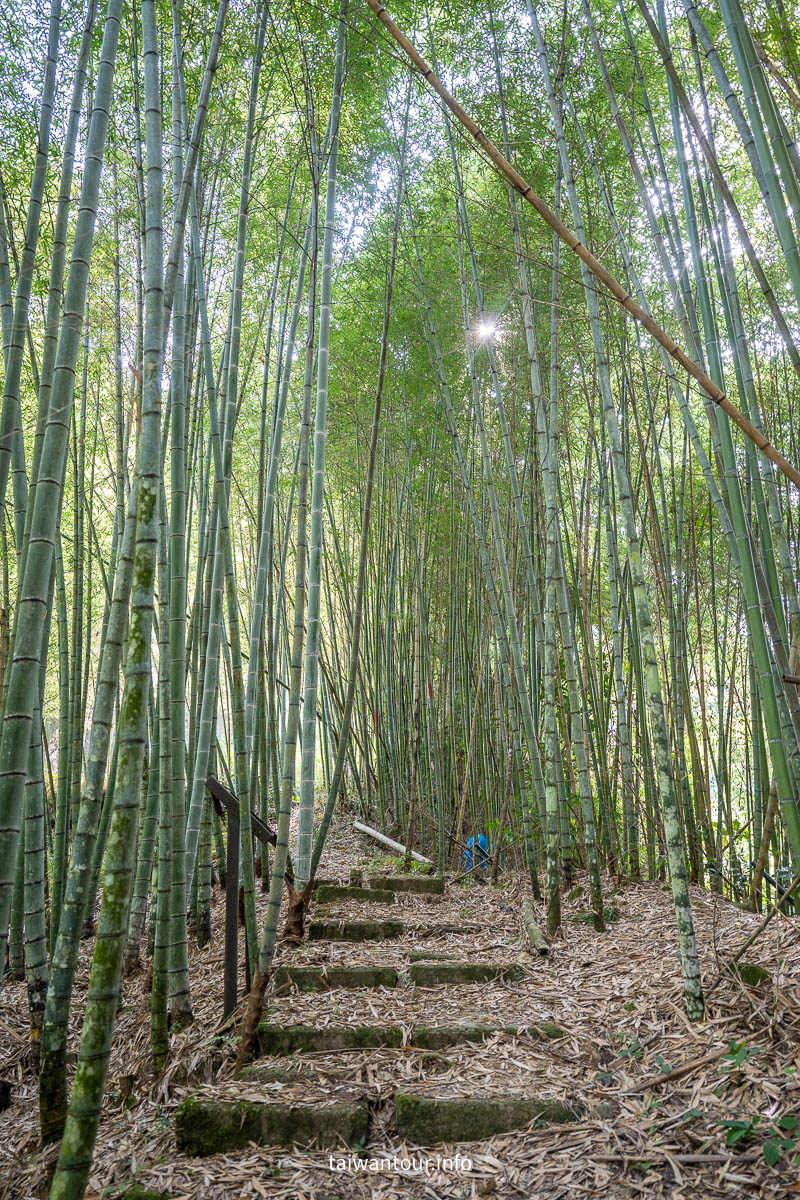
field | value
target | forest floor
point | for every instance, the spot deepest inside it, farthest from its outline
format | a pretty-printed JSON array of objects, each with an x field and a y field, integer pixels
[{"x": 652, "y": 1091}]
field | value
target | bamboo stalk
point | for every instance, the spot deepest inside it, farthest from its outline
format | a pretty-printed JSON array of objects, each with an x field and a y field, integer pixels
[{"x": 377, "y": 836}]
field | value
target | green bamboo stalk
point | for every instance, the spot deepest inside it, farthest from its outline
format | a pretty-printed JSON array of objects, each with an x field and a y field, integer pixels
[
  {"x": 10, "y": 411},
  {"x": 75, "y": 1156},
  {"x": 269, "y": 932},
  {"x": 177, "y": 951},
  {"x": 358, "y": 609},
  {"x": 669, "y": 802},
  {"x": 80, "y": 884},
  {"x": 162, "y": 900},
  {"x": 305, "y": 826},
  {"x": 146, "y": 843},
  {"x": 23, "y": 680}
]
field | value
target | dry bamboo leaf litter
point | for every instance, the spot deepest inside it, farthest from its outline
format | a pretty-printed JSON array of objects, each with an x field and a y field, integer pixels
[{"x": 616, "y": 995}]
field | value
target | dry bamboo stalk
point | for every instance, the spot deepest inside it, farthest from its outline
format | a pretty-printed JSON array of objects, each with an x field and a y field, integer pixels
[
  {"x": 766, "y": 837},
  {"x": 595, "y": 266},
  {"x": 678, "y": 1073},
  {"x": 772, "y": 912},
  {"x": 390, "y": 842},
  {"x": 533, "y": 933},
  {"x": 682, "y": 1159}
]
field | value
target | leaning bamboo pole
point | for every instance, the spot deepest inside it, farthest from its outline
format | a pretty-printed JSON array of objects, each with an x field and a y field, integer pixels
[
  {"x": 594, "y": 265},
  {"x": 360, "y": 827},
  {"x": 721, "y": 182}
]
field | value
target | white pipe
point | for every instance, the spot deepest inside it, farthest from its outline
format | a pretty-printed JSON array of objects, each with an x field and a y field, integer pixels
[{"x": 387, "y": 841}]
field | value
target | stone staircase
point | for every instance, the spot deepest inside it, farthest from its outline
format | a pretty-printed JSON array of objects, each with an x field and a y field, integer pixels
[{"x": 307, "y": 1087}]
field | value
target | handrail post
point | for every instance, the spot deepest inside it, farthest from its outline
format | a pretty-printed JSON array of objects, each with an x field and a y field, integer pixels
[{"x": 231, "y": 910}]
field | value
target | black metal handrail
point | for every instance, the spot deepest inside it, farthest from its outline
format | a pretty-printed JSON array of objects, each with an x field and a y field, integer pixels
[{"x": 226, "y": 804}]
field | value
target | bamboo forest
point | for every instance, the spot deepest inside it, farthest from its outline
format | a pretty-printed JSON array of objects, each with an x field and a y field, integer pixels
[{"x": 399, "y": 599}]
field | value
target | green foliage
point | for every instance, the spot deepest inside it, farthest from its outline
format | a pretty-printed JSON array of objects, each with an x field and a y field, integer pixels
[
  {"x": 783, "y": 1135},
  {"x": 631, "y": 1046},
  {"x": 738, "y": 1055}
]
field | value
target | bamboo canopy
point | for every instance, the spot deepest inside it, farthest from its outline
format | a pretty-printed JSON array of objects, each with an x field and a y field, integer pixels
[{"x": 566, "y": 235}]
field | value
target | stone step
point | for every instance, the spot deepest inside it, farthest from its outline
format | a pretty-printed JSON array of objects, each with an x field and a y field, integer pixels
[
  {"x": 327, "y": 892},
  {"x": 433, "y": 974},
  {"x": 353, "y": 931},
  {"x": 439, "y": 1037},
  {"x": 218, "y": 1126},
  {"x": 610, "y": 915},
  {"x": 425, "y": 1119},
  {"x": 139, "y": 1192},
  {"x": 283, "y": 1070},
  {"x": 206, "y": 1126},
  {"x": 294, "y": 1071},
  {"x": 444, "y": 929},
  {"x": 326, "y": 882},
  {"x": 324, "y": 978},
  {"x": 430, "y": 885},
  {"x": 285, "y": 1040}
]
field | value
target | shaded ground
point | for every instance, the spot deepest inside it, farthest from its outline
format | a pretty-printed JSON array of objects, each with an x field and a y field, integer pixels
[{"x": 616, "y": 995}]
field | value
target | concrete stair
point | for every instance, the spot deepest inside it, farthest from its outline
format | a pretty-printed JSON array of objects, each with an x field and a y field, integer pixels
[
  {"x": 421, "y": 885},
  {"x": 326, "y": 977},
  {"x": 331, "y": 930},
  {"x": 327, "y": 1108},
  {"x": 219, "y": 1126},
  {"x": 206, "y": 1126}
]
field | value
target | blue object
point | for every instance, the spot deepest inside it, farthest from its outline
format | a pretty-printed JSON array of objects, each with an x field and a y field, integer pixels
[{"x": 479, "y": 857}]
